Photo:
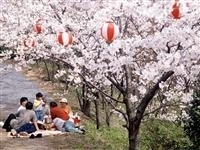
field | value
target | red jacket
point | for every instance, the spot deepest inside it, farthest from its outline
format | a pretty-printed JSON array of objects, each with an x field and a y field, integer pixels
[{"x": 58, "y": 112}]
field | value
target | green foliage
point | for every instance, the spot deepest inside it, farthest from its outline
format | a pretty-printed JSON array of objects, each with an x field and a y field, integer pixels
[
  {"x": 162, "y": 135},
  {"x": 192, "y": 123},
  {"x": 3, "y": 49}
]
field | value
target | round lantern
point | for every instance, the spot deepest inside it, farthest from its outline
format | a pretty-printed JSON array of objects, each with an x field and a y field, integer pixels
[
  {"x": 64, "y": 38},
  {"x": 176, "y": 10},
  {"x": 109, "y": 31},
  {"x": 29, "y": 42},
  {"x": 38, "y": 27}
]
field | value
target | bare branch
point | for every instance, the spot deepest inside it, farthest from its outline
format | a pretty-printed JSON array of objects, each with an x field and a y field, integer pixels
[
  {"x": 136, "y": 27},
  {"x": 196, "y": 24},
  {"x": 116, "y": 84},
  {"x": 147, "y": 98},
  {"x": 118, "y": 110},
  {"x": 157, "y": 109},
  {"x": 90, "y": 84}
]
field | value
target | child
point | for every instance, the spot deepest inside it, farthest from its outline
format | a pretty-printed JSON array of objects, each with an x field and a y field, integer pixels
[
  {"x": 23, "y": 102},
  {"x": 38, "y": 106}
]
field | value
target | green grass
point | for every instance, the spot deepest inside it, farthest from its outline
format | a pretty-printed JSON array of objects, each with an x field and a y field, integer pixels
[
  {"x": 113, "y": 137},
  {"x": 102, "y": 139}
]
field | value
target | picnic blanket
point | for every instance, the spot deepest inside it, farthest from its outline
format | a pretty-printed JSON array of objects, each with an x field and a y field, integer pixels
[{"x": 43, "y": 133}]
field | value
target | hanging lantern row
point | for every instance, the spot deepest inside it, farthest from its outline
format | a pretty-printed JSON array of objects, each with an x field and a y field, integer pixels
[{"x": 109, "y": 32}]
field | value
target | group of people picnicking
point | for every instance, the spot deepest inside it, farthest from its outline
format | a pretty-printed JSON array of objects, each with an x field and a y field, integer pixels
[{"x": 40, "y": 115}]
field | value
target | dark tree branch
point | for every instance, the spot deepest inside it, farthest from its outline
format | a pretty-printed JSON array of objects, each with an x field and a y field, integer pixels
[
  {"x": 148, "y": 97},
  {"x": 90, "y": 84},
  {"x": 56, "y": 14},
  {"x": 157, "y": 109},
  {"x": 179, "y": 46},
  {"x": 168, "y": 47},
  {"x": 195, "y": 25},
  {"x": 63, "y": 11},
  {"x": 116, "y": 84},
  {"x": 118, "y": 110},
  {"x": 136, "y": 27},
  {"x": 162, "y": 28},
  {"x": 79, "y": 99}
]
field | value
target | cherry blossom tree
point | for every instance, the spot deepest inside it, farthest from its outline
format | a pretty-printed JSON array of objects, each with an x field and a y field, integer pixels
[{"x": 154, "y": 52}]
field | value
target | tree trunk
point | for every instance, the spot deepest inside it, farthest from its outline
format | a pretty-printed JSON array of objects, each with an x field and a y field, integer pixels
[
  {"x": 132, "y": 135},
  {"x": 53, "y": 71},
  {"x": 134, "y": 119},
  {"x": 86, "y": 107},
  {"x": 96, "y": 102},
  {"x": 48, "y": 72},
  {"x": 107, "y": 111}
]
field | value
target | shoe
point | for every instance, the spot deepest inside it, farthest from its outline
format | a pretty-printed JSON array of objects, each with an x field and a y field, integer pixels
[
  {"x": 81, "y": 127},
  {"x": 13, "y": 132},
  {"x": 23, "y": 133},
  {"x": 32, "y": 136},
  {"x": 39, "y": 135},
  {"x": 8, "y": 130},
  {"x": 1, "y": 124},
  {"x": 83, "y": 131}
]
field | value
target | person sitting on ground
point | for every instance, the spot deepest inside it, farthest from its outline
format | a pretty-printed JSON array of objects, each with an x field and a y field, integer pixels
[
  {"x": 38, "y": 105},
  {"x": 26, "y": 122},
  {"x": 57, "y": 112},
  {"x": 6, "y": 124},
  {"x": 23, "y": 102},
  {"x": 46, "y": 108},
  {"x": 65, "y": 106},
  {"x": 66, "y": 126}
]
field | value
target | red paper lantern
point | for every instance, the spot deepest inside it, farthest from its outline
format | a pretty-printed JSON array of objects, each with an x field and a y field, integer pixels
[
  {"x": 29, "y": 42},
  {"x": 176, "y": 10},
  {"x": 109, "y": 31},
  {"x": 38, "y": 27},
  {"x": 64, "y": 38}
]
